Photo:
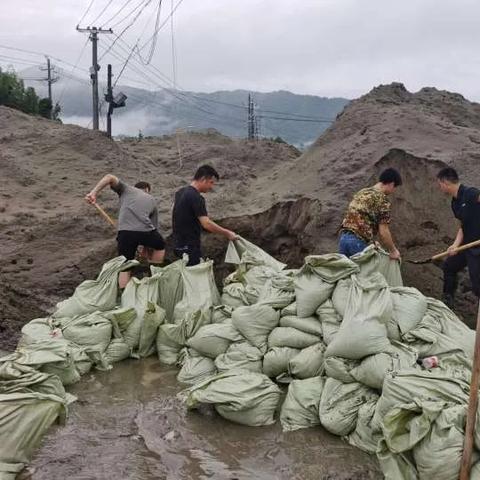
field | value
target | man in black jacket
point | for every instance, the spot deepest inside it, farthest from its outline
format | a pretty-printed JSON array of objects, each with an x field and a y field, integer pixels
[
  {"x": 466, "y": 208},
  {"x": 190, "y": 215}
]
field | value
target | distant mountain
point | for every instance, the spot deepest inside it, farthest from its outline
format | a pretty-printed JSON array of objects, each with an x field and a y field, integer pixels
[{"x": 163, "y": 111}]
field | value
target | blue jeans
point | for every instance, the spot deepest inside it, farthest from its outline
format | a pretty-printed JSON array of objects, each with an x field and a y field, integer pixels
[{"x": 349, "y": 244}]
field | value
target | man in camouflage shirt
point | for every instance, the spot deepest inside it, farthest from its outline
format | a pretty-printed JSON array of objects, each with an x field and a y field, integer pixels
[{"x": 368, "y": 215}]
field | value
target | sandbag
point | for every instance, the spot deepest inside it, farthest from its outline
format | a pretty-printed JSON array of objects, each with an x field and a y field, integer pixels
[
  {"x": 240, "y": 355},
  {"x": 278, "y": 291},
  {"x": 363, "y": 331},
  {"x": 170, "y": 286},
  {"x": 375, "y": 260},
  {"x": 331, "y": 267},
  {"x": 117, "y": 351},
  {"x": 308, "y": 363},
  {"x": 255, "y": 323},
  {"x": 307, "y": 324},
  {"x": 365, "y": 437},
  {"x": 214, "y": 339},
  {"x": 409, "y": 307},
  {"x": 291, "y": 337},
  {"x": 340, "y": 403},
  {"x": 95, "y": 295},
  {"x": 199, "y": 290},
  {"x": 138, "y": 294},
  {"x": 242, "y": 251},
  {"x": 154, "y": 317},
  {"x": 30, "y": 401},
  {"x": 234, "y": 296},
  {"x": 310, "y": 291},
  {"x": 330, "y": 321},
  {"x": 340, "y": 295},
  {"x": 92, "y": 330},
  {"x": 239, "y": 396},
  {"x": 289, "y": 310},
  {"x": 373, "y": 369},
  {"x": 275, "y": 361},
  {"x": 169, "y": 343},
  {"x": 195, "y": 367},
  {"x": 340, "y": 368},
  {"x": 300, "y": 408},
  {"x": 221, "y": 313}
]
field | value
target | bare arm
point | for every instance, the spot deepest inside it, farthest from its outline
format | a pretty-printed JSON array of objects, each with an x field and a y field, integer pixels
[
  {"x": 387, "y": 241},
  {"x": 108, "y": 179},
  {"x": 213, "y": 227},
  {"x": 458, "y": 241}
]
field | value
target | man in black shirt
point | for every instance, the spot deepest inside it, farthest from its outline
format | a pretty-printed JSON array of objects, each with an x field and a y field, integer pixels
[
  {"x": 190, "y": 215},
  {"x": 466, "y": 208}
]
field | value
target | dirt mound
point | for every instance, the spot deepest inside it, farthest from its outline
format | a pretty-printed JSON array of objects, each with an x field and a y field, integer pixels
[{"x": 290, "y": 205}]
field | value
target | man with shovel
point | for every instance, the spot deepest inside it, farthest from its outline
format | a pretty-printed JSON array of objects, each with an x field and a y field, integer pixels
[
  {"x": 466, "y": 208},
  {"x": 137, "y": 220}
]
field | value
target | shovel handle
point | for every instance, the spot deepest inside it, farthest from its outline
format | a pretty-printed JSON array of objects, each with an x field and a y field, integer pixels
[
  {"x": 476, "y": 243},
  {"x": 104, "y": 214}
]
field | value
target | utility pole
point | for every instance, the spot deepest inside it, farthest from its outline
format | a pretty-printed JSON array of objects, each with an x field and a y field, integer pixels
[
  {"x": 252, "y": 132},
  {"x": 50, "y": 78},
  {"x": 113, "y": 102},
  {"x": 94, "y": 31}
]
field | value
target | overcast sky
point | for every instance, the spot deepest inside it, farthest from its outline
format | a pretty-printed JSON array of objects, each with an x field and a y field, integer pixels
[{"x": 321, "y": 47}]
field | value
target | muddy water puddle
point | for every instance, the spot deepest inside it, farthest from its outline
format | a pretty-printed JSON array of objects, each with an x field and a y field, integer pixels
[{"x": 129, "y": 424}]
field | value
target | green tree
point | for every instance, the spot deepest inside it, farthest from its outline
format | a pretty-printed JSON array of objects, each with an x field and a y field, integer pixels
[{"x": 30, "y": 101}]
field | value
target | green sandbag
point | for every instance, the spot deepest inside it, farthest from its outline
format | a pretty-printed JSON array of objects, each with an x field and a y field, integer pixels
[
  {"x": 310, "y": 291},
  {"x": 240, "y": 355},
  {"x": 308, "y": 324},
  {"x": 340, "y": 403},
  {"x": 363, "y": 330},
  {"x": 242, "y": 251},
  {"x": 154, "y": 317},
  {"x": 138, "y": 294},
  {"x": 421, "y": 385},
  {"x": 95, "y": 295},
  {"x": 364, "y": 436},
  {"x": 300, "y": 408},
  {"x": 92, "y": 330},
  {"x": 290, "y": 310},
  {"x": 340, "y": 369},
  {"x": 372, "y": 370},
  {"x": 30, "y": 401},
  {"x": 38, "y": 329},
  {"x": 340, "y": 296},
  {"x": 221, "y": 313},
  {"x": 117, "y": 351},
  {"x": 276, "y": 293},
  {"x": 256, "y": 277},
  {"x": 170, "y": 286},
  {"x": 291, "y": 337},
  {"x": 239, "y": 396},
  {"x": 214, "y": 339},
  {"x": 308, "y": 363},
  {"x": 195, "y": 367},
  {"x": 275, "y": 361},
  {"x": 234, "y": 296},
  {"x": 375, "y": 260},
  {"x": 409, "y": 307},
  {"x": 331, "y": 267},
  {"x": 330, "y": 321},
  {"x": 169, "y": 343},
  {"x": 199, "y": 290},
  {"x": 255, "y": 323}
]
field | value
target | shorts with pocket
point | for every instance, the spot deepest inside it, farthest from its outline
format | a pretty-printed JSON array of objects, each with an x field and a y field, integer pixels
[{"x": 128, "y": 242}]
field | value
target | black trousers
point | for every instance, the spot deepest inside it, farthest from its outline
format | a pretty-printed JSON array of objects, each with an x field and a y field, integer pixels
[
  {"x": 194, "y": 254},
  {"x": 455, "y": 264}
]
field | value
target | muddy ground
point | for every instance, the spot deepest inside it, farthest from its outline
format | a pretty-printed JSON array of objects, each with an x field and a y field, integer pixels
[{"x": 129, "y": 424}]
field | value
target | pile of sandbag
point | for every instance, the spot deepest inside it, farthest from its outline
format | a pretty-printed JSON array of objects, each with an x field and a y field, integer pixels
[{"x": 335, "y": 343}]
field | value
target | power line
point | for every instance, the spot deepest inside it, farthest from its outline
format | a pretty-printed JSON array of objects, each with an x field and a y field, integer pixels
[
  {"x": 86, "y": 12},
  {"x": 101, "y": 13},
  {"x": 128, "y": 14},
  {"x": 121, "y": 9}
]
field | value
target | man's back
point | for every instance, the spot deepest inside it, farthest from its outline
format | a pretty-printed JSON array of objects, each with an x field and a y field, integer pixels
[{"x": 188, "y": 207}]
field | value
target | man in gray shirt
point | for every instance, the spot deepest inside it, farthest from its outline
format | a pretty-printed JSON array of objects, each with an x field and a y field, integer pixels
[{"x": 137, "y": 220}]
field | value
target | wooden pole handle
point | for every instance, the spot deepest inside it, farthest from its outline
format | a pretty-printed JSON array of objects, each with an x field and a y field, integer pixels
[
  {"x": 476, "y": 243},
  {"x": 104, "y": 214}
]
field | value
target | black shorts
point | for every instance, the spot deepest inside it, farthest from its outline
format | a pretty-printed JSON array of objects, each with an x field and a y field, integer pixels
[{"x": 128, "y": 241}]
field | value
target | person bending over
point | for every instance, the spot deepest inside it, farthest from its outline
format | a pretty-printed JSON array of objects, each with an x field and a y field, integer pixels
[{"x": 137, "y": 221}]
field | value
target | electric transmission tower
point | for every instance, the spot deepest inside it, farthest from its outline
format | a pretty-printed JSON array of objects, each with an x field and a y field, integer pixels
[{"x": 252, "y": 120}]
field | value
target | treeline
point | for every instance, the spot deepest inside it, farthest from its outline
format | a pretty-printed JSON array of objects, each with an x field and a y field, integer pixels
[{"x": 14, "y": 94}]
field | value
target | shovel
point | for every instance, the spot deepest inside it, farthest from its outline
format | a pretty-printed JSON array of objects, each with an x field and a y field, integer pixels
[
  {"x": 104, "y": 214},
  {"x": 476, "y": 243}
]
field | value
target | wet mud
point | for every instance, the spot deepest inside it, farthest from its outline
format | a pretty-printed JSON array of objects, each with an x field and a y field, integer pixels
[{"x": 129, "y": 424}]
